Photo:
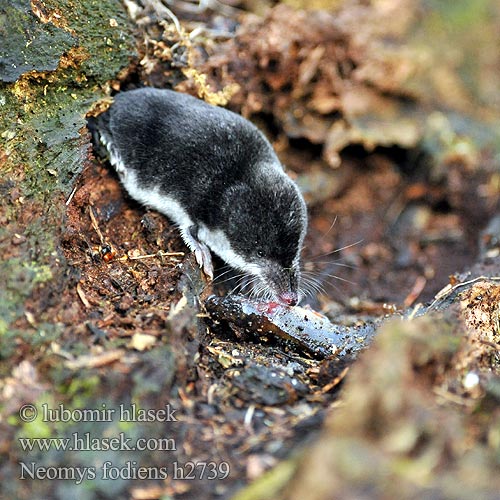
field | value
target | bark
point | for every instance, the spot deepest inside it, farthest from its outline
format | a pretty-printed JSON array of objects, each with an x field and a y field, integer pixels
[{"x": 55, "y": 60}]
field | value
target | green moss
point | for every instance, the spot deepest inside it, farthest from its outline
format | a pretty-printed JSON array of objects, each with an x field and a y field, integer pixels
[
  {"x": 84, "y": 386},
  {"x": 109, "y": 47},
  {"x": 36, "y": 338},
  {"x": 41, "y": 273},
  {"x": 44, "y": 111},
  {"x": 458, "y": 15},
  {"x": 462, "y": 38},
  {"x": 30, "y": 45},
  {"x": 36, "y": 429}
]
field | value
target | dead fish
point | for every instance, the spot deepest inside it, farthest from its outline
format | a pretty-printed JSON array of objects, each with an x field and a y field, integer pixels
[{"x": 308, "y": 330}]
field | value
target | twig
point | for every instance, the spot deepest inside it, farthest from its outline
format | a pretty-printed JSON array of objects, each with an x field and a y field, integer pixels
[
  {"x": 335, "y": 381},
  {"x": 82, "y": 296},
  {"x": 95, "y": 225},
  {"x": 158, "y": 254},
  {"x": 448, "y": 289},
  {"x": 162, "y": 11},
  {"x": 203, "y": 5},
  {"x": 91, "y": 361},
  {"x": 68, "y": 201},
  {"x": 417, "y": 289}
]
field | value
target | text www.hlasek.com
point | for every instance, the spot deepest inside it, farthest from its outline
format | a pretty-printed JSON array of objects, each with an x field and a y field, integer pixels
[{"x": 85, "y": 442}]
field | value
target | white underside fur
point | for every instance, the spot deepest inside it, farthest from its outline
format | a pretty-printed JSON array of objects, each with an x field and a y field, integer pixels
[{"x": 216, "y": 240}]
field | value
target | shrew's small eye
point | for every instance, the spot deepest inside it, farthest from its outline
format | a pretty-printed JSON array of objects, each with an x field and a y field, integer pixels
[{"x": 260, "y": 253}]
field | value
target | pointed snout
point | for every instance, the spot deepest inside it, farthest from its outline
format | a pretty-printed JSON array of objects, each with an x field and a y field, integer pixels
[{"x": 289, "y": 298}]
